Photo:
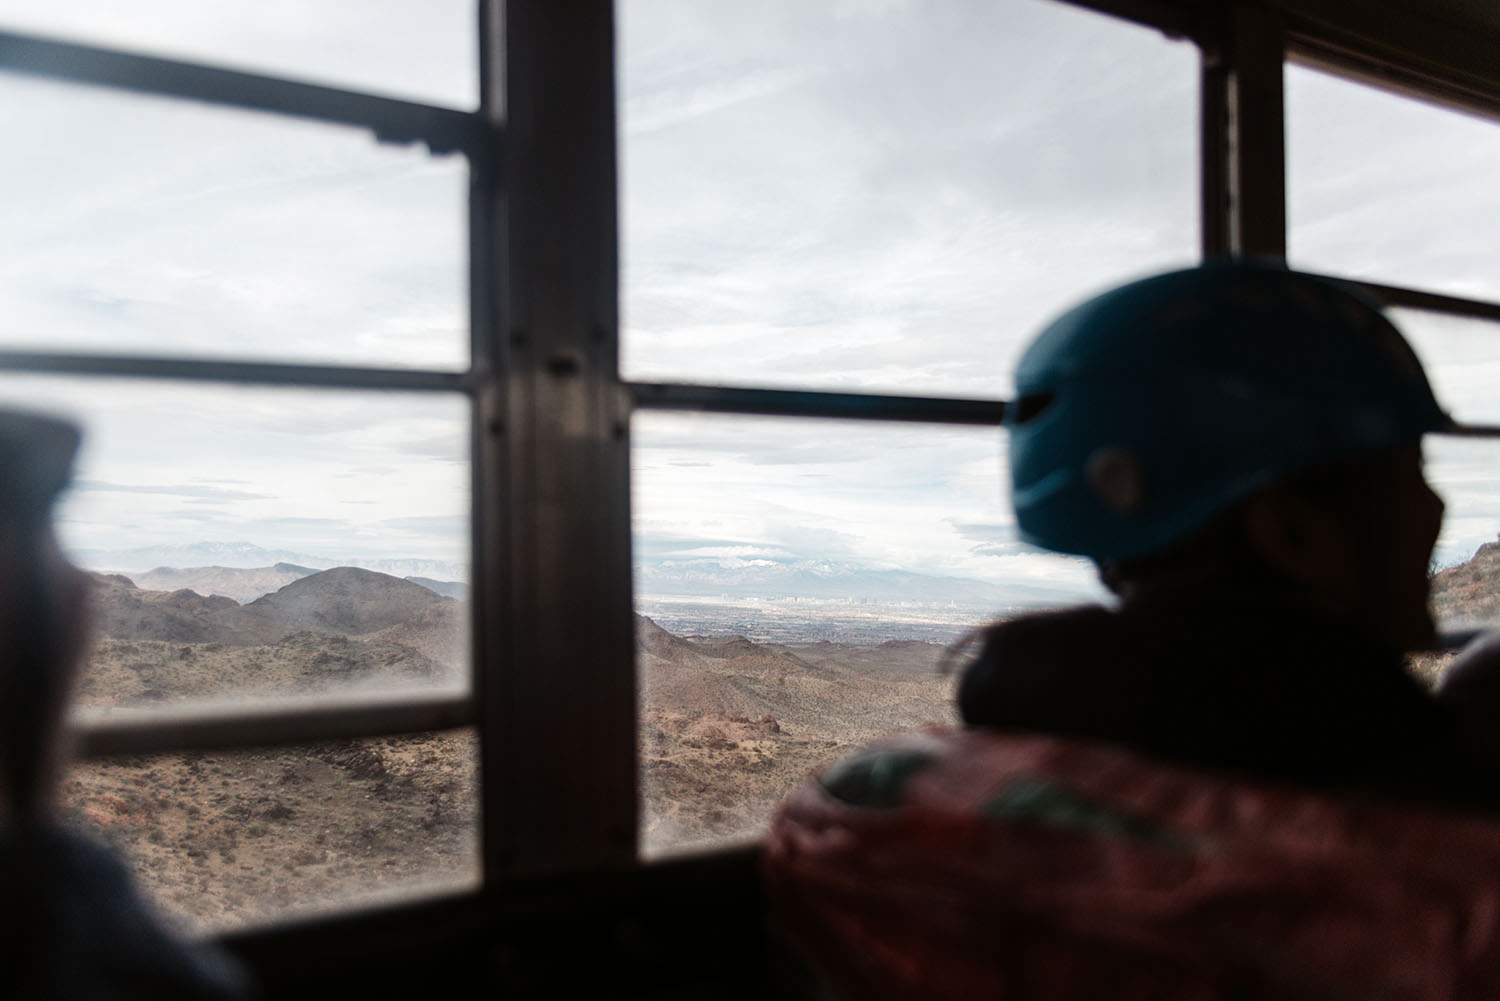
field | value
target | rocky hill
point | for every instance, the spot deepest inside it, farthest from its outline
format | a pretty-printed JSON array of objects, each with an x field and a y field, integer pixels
[
  {"x": 224, "y": 839},
  {"x": 439, "y": 631},
  {"x": 347, "y": 601},
  {"x": 324, "y": 631},
  {"x": 1469, "y": 594},
  {"x": 1464, "y": 596},
  {"x": 124, "y": 611},
  {"x": 241, "y": 584},
  {"x": 728, "y": 725},
  {"x": 150, "y": 672},
  {"x": 447, "y": 588}
]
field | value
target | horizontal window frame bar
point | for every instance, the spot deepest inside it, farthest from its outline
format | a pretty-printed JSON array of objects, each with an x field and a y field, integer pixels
[
  {"x": 657, "y": 396},
  {"x": 1463, "y": 430},
  {"x": 691, "y": 397},
  {"x": 238, "y": 371},
  {"x": 1431, "y": 302},
  {"x": 257, "y": 724},
  {"x": 1373, "y": 64},
  {"x": 392, "y": 120},
  {"x": 1173, "y": 18}
]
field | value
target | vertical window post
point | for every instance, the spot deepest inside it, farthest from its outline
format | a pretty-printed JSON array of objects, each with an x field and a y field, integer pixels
[
  {"x": 559, "y": 697},
  {"x": 1243, "y": 136}
]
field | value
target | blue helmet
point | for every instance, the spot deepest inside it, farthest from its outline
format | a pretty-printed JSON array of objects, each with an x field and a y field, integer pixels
[{"x": 1146, "y": 410}]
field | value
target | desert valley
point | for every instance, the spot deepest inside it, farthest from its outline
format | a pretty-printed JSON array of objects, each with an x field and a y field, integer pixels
[{"x": 726, "y": 726}]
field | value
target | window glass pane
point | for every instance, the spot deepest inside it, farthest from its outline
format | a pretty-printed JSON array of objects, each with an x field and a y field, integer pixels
[
  {"x": 140, "y": 225},
  {"x": 228, "y": 839},
  {"x": 1390, "y": 189},
  {"x": 268, "y": 542},
  {"x": 423, "y": 50},
  {"x": 1466, "y": 564},
  {"x": 1462, "y": 359},
  {"x": 800, "y": 582},
  {"x": 1466, "y": 473},
  {"x": 888, "y": 196}
]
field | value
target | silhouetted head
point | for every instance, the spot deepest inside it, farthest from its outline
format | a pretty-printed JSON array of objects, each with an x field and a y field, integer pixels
[
  {"x": 1233, "y": 425},
  {"x": 42, "y": 603}
]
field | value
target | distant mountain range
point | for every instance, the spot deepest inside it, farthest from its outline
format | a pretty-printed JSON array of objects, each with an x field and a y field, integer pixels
[
  {"x": 244, "y": 571},
  {"x": 836, "y": 582},
  {"x": 243, "y": 585},
  {"x": 245, "y": 556},
  {"x": 247, "y": 584}
]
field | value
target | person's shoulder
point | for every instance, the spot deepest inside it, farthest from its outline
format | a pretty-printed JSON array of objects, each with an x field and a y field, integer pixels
[
  {"x": 1046, "y": 631},
  {"x": 1021, "y": 660},
  {"x": 79, "y": 928}
]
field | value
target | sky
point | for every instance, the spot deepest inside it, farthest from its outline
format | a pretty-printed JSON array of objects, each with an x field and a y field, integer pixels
[{"x": 886, "y": 195}]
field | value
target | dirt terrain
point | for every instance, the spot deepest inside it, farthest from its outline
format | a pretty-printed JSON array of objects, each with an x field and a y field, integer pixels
[
  {"x": 225, "y": 839},
  {"x": 726, "y": 727},
  {"x": 228, "y": 839},
  {"x": 1465, "y": 596}
]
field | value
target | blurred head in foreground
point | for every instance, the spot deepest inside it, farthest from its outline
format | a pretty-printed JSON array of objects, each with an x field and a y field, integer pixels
[
  {"x": 1229, "y": 427},
  {"x": 42, "y": 611},
  {"x": 73, "y": 925}
]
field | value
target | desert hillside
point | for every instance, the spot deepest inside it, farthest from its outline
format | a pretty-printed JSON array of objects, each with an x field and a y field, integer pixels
[
  {"x": 727, "y": 725},
  {"x": 224, "y": 839},
  {"x": 243, "y": 585},
  {"x": 1468, "y": 594},
  {"x": 1464, "y": 596},
  {"x": 324, "y": 631}
]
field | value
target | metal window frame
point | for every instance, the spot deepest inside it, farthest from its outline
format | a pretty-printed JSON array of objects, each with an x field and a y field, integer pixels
[
  {"x": 1245, "y": 47},
  {"x": 258, "y": 723},
  {"x": 443, "y": 130},
  {"x": 553, "y": 686},
  {"x": 1316, "y": 52},
  {"x": 1399, "y": 48},
  {"x": 1243, "y": 146},
  {"x": 266, "y": 723}
]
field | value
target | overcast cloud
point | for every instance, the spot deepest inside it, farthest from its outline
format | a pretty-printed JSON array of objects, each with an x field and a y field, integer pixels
[{"x": 884, "y": 195}]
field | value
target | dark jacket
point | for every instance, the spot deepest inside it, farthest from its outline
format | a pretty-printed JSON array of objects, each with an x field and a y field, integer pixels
[
  {"x": 73, "y": 928},
  {"x": 1259, "y": 687}
]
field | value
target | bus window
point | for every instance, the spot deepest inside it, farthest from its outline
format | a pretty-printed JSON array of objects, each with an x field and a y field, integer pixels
[
  {"x": 798, "y": 585},
  {"x": 1389, "y": 189},
  {"x": 1466, "y": 563},
  {"x": 422, "y": 50},
  {"x": 1462, "y": 359},
  {"x": 250, "y": 542},
  {"x": 270, "y": 549},
  {"x": 887, "y": 197},
  {"x": 138, "y": 225}
]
